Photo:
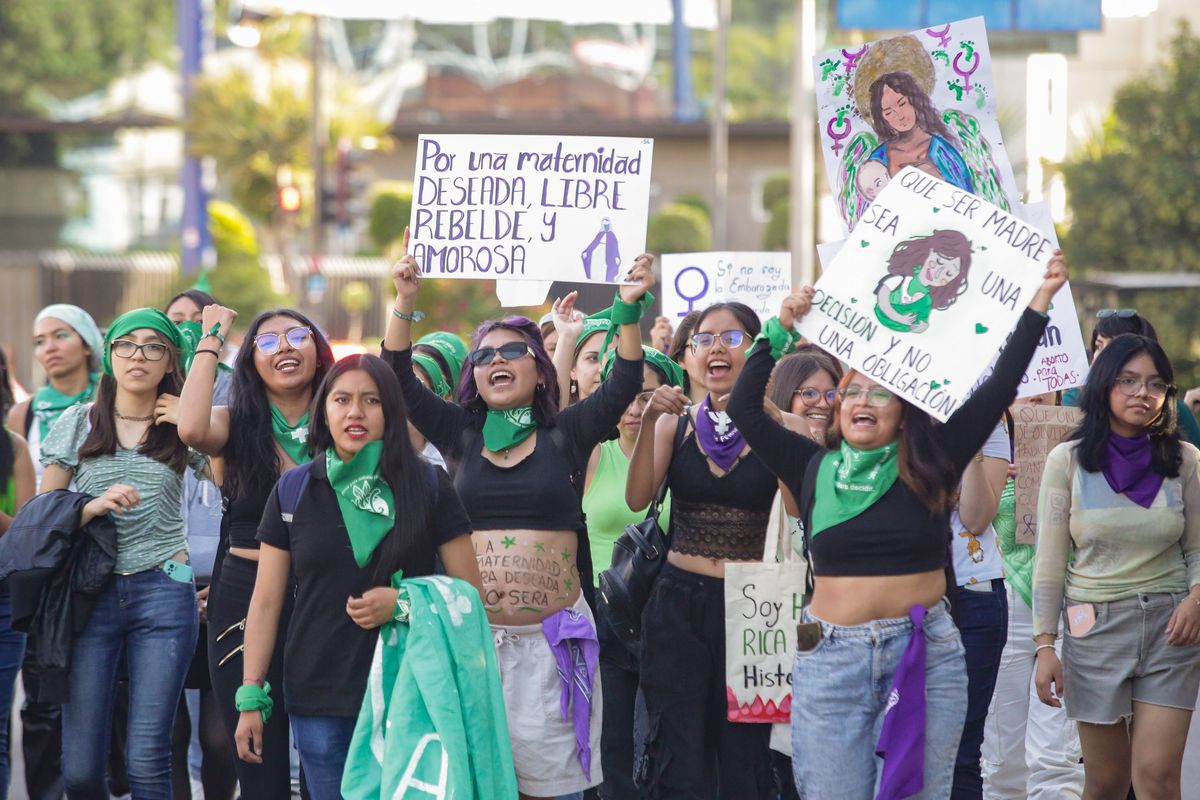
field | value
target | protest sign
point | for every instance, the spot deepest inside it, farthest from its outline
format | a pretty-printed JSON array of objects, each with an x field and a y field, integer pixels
[
  {"x": 924, "y": 98},
  {"x": 930, "y": 279},
  {"x": 1037, "y": 429},
  {"x": 530, "y": 208},
  {"x": 693, "y": 281}
]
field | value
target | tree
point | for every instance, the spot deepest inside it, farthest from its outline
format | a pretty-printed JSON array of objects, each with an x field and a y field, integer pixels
[
  {"x": 678, "y": 228},
  {"x": 1134, "y": 191},
  {"x": 356, "y": 298},
  {"x": 391, "y": 206},
  {"x": 238, "y": 280}
]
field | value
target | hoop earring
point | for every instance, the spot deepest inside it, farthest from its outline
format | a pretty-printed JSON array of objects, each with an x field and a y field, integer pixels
[{"x": 541, "y": 387}]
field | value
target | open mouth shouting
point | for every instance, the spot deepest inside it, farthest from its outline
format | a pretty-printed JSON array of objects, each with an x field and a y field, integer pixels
[
  {"x": 288, "y": 365},
  {"x": 500, "y": 378},
  {"x": 864, "y": 420},
  {"x": 719, "y": 368}
]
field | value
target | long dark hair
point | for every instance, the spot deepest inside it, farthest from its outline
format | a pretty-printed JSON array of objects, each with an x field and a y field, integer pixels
[
  {"x": 927, "y": 117},
  {"x": 1113, "y": 326},
  {"x": 545, "y": 397},
  {"x": 910, "y": 255},
  {"x": 795, "y": 368},
  {"x": 924, "y": 467},
  {"x": 200, "y": 298},
  {"x": 251, "y": 458},
  {"x": 399, "y": 464},
  {"x": 162, "y": 441},
  {"x": 7, "y": 455},
  {"x": 1095, "y": 428},
  {"x": 679, "y": 345}
]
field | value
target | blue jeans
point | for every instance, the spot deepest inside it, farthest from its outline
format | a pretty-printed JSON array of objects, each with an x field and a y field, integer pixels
[
  {"x": 150, "y": 622},
  {"x": 12, "y": 651},
  {"x": 983, "y": 624},
  {"x": 840, "y": 693},
  {"x": 323, "y": 743}
]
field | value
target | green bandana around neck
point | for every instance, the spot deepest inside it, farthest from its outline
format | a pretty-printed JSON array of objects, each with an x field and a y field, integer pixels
[
  {"x": 364, "y": 497},
  {"x": 136, "y": 320},
  {"x": 504, "y": 430},
  {"x": 49, "y": 403},
  {"x": 849, "y": 481},
  {"x": 292, "y": 438}
]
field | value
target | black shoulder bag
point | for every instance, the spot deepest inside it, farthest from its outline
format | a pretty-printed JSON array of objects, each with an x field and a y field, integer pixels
[{"x": 638, "y": 556}]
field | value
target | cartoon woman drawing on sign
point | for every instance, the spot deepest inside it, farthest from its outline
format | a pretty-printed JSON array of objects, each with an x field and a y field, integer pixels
[
  {"x": 925, "y": 273},
  {"x": 611, "y": 252},
  {"x": 911, "y": 131}
]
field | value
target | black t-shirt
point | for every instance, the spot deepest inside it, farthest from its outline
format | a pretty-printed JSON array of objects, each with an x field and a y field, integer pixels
[{"x": 327, "y": 656}]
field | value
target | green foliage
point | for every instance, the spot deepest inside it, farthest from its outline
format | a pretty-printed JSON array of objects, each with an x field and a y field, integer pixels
[
  {"x": 391, "y": 206},
  {"x": 678, "y": 228},
  {"x": 1134, "y": 191},
  {"x": 355, "y": 297},
  {"x": 758, "y": 75},
  {"x": 776, "y": 188},
  {"x": 696, "y": 201},
  {"x": 239, "y": 280},
  {"x": 775, "y": 235}
]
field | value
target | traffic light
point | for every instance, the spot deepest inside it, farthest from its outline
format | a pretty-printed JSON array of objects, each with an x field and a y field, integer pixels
[{"x": 344, "y": 202}]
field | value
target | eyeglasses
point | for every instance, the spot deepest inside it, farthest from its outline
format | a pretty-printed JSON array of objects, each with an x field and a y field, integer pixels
[
  {"x": 728, "y": 338},
  {"x": 1123, "y": 313},
  {"x": 151, "y": 351},
  {"x": 1131, "y": 386},
  {"x": 812, "y": 396},
  {"x": 271, "y": 343},
  {"x": 875, "y": 397},
  {"x": 510, "y": 351}
]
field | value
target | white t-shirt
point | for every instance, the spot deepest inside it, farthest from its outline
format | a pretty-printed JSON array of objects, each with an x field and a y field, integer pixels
[{"x": 976, "y": 556}]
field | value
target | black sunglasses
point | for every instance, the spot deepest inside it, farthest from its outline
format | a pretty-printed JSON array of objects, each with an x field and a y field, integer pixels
[
  {"x": 510, "y": 351},
  {"x": 1123, "y": 313}
]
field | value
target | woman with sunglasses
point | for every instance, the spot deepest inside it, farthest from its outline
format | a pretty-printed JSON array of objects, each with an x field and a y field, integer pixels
[
  {"x": 520, "y": 458},
  {"x": 260, "y": 434},
  {"x": 878, "y": 531},
  {"x": 1119, "y": 547},
  {"x": 721, "y": 498},
  {"x": 133, "y": 465}
]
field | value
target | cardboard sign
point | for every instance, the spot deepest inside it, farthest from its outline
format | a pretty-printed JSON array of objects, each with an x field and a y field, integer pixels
[
  {"x": 1036, "y": 431},
  {"x": 531, "y": 208},
  {"x": 925, "y": 99},
  {"x": 693, "y": 281},
  {"x": 931, "y": 279}
]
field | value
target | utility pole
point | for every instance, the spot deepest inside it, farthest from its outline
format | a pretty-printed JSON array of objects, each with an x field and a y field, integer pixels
[
  {"x": 719, "y": 129},
  {"x": 318, "y": 140},
  {"x": 802, "y": 222},
  {"x": 194, "y": 234}
]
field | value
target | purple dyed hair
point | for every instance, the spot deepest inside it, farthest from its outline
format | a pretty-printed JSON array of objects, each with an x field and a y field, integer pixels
[{"x": 545, "y": 400}]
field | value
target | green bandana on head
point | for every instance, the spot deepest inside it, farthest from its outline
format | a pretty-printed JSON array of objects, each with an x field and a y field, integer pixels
[
  {"x": 292, "y": 438},
  {"x": 453, "y": 350},
  {"x": 504, "y": 430},
  {"x": 364, "y": 497},
  {"x": 437, "y": 381},
  {"x": 49, "y": 403},
  {"x": 849, "y": 481},
  {"x": 139, "y": 319},
  {"x": 654, "y": 358},
  {"x": 592, "y": 326},
  {"x": 192, "y": 334}
]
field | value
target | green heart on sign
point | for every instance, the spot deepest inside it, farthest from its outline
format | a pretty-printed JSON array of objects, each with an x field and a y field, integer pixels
[
  {"x": 864, "y": 243},
  {"x": 983, "y": 247},
  {"x": 936, "y": 210},
  {"x": 980, "y": 328},
  {"x": 853, "y": 299},
  {"x": 934, "y": 385}
]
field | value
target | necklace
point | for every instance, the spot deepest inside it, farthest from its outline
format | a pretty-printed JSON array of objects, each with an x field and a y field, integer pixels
[{"x": 133, "y": 419}]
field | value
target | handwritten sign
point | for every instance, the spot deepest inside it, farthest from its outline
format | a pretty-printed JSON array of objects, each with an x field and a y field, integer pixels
[
  {"x": 931, "y": 278},
  {"x": 924, "y": 98},
  {"x": 692, "y": 281},
  {"x": 531, "y": 208},
  {"x": 1037, "y": 431}
]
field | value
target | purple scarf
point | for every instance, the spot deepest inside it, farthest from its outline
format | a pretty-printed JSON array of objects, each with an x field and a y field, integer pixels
[
  {"x": 1128, "y": 470},
  {"x": 572, "y": 639},
  {"x": 902, "y": 739},
  {"x": 719, "y": 438}
]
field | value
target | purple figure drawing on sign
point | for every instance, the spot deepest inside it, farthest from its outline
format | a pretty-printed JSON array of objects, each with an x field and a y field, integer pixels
[{"x": 612, "y": 252}]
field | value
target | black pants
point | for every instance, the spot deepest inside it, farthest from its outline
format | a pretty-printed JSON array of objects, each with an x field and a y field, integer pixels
[
  {"x": 983, "y": 623},
  {"x": 693, "y": 751},
  {"x": 619, "y": 675},
  {"x": 228, "y": 602},
  {"x": 41, "y": 744}
]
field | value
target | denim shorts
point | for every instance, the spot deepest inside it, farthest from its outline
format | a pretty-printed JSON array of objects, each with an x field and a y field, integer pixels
[
  {"x": 840, "y": 692},
  {"x": 1125, "y": 658}
]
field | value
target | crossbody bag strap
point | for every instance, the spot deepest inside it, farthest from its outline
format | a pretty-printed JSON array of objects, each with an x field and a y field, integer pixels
[
  {"x": 660, "y": 497},
  {"x": 808, "y": 492}
]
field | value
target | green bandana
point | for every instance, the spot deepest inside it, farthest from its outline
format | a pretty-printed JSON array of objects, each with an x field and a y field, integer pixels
[
  {"x": 453, "y": 350},
  {"x": 292, "y": 438},
  {"x": 592, "y": 326},
  {"x": 136, "y": 320},
  {"x": 49, "y": 403},
  {"x": 503, "y": 430},
  {"x": 654, "y": 358},
  {"x": 364, "y": 497},
  {"x": 849, "y": 481},
  {"x": 781, "y": 340},
  {"x": 436, "y": 380}
]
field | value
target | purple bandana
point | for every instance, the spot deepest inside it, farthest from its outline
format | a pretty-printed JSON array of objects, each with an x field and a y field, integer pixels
[
  {"x": 719, "y": 438},
  {"x": 572, "y": 639},
  {"x": 902, "y": 739},
  {"x": 1128, "y": 469}
]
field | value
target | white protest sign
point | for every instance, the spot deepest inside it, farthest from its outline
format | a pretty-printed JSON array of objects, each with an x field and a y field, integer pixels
[
  {"x": 531, "y": 208},
  {"x": 694, "y": 281},
  {"x": 930, "y": 278}
]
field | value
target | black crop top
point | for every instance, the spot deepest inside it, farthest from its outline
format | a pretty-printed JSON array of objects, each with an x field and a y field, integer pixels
[
  {"x": 898, "y": 535},
  {"x": 536, "y": 493},
  {"x": 242, "y": 517}
]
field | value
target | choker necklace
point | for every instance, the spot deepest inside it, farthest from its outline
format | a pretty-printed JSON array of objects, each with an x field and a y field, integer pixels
[{"x": 133, "y": 419}]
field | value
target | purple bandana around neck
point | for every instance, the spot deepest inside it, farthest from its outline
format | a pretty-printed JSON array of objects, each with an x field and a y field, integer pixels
[
  {"x": 719, "y": 438},
  {"x": 901, "y": 742},
  {"x": 572, "y": 639},
  {"x": 1129, "y": 471}
]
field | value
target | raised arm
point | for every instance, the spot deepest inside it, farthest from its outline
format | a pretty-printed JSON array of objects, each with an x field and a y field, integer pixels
[
  {"x": 568, "y": 322},
  {"x": 202, "y": 426},
  {"x": 654, "y": 448}
]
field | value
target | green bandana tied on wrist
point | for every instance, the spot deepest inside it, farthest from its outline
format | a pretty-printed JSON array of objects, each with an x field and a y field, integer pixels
[
  {"x": 781, "y": 340},
  {"x": 142, "y": 318},
  {"x": 619, "y": 313},
  {"x": 292, "y": 438},
  {"x": 49, "y": 403},
  {"x": 505, "y": 429},
  {"x": 252, "y": 697},
  {"x": 437, "y": 381},
  {"x": 364, "y": 498},
  {"x": 849, "y": 481}
]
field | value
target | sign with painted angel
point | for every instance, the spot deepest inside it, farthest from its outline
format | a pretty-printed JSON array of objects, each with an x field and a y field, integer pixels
[
  {"x": 926, "y": 289},
  {"x": 530, "y": 208},
  {"x": 924, "y": 99}
]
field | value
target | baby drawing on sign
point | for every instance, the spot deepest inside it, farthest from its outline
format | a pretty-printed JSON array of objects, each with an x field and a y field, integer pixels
[
  {"x": 974, "y": 548},
  {"x": 925, "y": 273},
  {"x": 872, "y": 175}
]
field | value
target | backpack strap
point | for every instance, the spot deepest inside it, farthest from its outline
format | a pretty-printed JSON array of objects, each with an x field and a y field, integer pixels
[{"x": 290, "y": 489}]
